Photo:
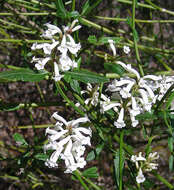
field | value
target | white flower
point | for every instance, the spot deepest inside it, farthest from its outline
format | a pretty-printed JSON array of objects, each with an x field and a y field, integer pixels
[
  {"x": 40, "y": 62},
  {"x": 67, "y": 140},
  {"x": 120, "y": 122},
  {"x": 149, "y": 165},
  {"x": 106, "y": 104},
  {"x": 118, "y": 85},
  {"x": 147, "y": 105},
  {"x": 65, "y": 63},
  {"x": 136, "y": 109},
  {"x": 129, "y": 69},
  {"x": 136, "y": 159},
  {"x": 72, "y": 46},
  {"x": 51, "y": 31},
  {"x": 73, "y": 29},
  {"x": 140, "y": 177},
  {"x": 47, "y": 48},
  {"x": 126, "y": 49},
  {"x": 93, "y": 93},
  {"x": 111, "y": 43},
  {"x": 57, "y": 75}
]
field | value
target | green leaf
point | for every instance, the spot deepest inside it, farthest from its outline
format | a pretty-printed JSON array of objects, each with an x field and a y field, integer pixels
[
  {"x": 61, "y": 11},
  {"x": 148, "y": 148},
  {"x": 25, "y": 75},
  {"x": 40, "y": 156},
  {"x": 146, "y": 116},
  {"x": 92, "y": 39},
  {"x": 170, "y": 143},
  {"x": 88, "y": 6},
  {"x": 135, "y": 34},
  {"x": 73, "y": 14},
  {"x": 129, "y": 21},
  {"x": 19, "y": 139},
  {"x": 114, "y": 68},
  {"x": 90, "y": 172},
  {"x": 171, "y": 160},
  {"x": 85, "y": 7},
  {"x": 170, "y": 100},
  {"x": 99, "y": 148},
  {"x": 75, "y": 86},
  {"x": 116, "y": 167},
  {"x": 86, "y": 76},
  {"x": 90, "y": 156}
]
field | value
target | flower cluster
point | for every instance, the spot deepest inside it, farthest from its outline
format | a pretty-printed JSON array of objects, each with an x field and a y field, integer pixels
[
  {"x": 68, "y": 141},
  {"x": 135, "y": 94},
  {"x": 58, "y": 51},
  {"x": 140, "y": 93},
  {"x": 144, "y": 164}
]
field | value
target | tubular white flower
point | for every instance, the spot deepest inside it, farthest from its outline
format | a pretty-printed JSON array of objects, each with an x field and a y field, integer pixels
[
  {"x": 47, "y": 48},
  {"x": 76, "y": 27},
  {"x": 133, "y": 120},
  {"x": 140, "y": 177},
  {"x": 72, "y": 46},
  {"x": 57, "y": 75},
  {"x": 144, "y": 100},
  {"x": 111, "y": 43},
  {"x": 59, "y": 118},
  {"x": 120, "y": 122},
  {"x": 129, "y": 68},
  {"x": 126, "y": 49},
  {"x": 153, "y": 77},
  {"x": 125, "y": 91},
  {"x": 113, "y": 87},
  {"x": 51, "y": 31},
  {"x": 41, "y": 62},
  {"x": 142, "y": 84}
]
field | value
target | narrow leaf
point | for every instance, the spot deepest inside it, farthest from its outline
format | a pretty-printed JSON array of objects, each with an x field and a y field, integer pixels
[
  {"x": 42, "y": 157},
  {"x": 87, "y": 76},
  {"x": 171, "y": 160},
  {"x": 114, "y": 68},
  {"x": 90, "y": 156},
  {"x": 61, "y": 11},
  {"x": 75, "y": 86},
  {"x": 25, "y": 75},
  {"x": 19, "y": 139},
  {"x": 90, "y": 172}
]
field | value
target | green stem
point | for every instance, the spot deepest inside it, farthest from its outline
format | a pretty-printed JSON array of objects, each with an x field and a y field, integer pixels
[
  {"x": 78, "y": 175},
  {"x": 24, "y": 41},
  {"x": 126, "y": 147},
  {"x": 160, "y": 178},
  {"x": 73, "y": 5},
  {"x": 97, "y": 26},
  {"x": 121, "y": 161},
  {"x": 151, "y": 6},
  {"x": 91, "y": 183},
  {"x": 28, "y": 14},
  {"x": 159, "y": 8},
  {"x": 163, "y": 63},
  {"x": 14, "y": 25},
  {"x": 139, "y": 4},
  {"x": 30, "y": 126},
  {"x": 136, "y": 20},
  {"x": 135, "y": 40},
  {"x": 68, "y": 100},
  {"x": 24, "y": 5}
]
